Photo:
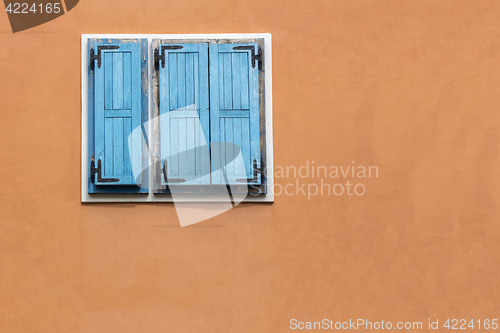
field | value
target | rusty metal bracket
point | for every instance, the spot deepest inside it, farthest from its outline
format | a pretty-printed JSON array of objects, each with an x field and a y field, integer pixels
[
  {"x": 170, "y": 180},
  {"x": 255, "y": 178},
  {"x": 97, "y": 56},
  {"x": 255, "y": 57},
  {"x": 94, "y": 171},
  {"x": 160, "y": 54}
]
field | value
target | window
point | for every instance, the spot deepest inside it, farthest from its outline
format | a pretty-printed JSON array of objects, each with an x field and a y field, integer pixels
[{"x": 206, "y": 127}]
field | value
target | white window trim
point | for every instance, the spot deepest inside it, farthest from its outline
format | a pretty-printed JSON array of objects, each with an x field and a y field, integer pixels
[{"x": 85, "y": 197}]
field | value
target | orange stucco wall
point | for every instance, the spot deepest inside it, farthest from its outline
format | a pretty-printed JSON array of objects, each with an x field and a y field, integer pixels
[{"x": 412, "y": 87}]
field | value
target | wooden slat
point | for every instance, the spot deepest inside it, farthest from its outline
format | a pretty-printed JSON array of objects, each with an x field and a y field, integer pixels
[
  {"x": 137, "y": 142},
  {"x": 191, "y": 156},
  {"x": 118, "y": 146},
  {"x": 182, "y": 146},
  {"x": 197, "y": 144},
  {"x": 199, "y": 79},
  {"x": 127, "y": 80},
  {"x": 108, "y": 148},
  {"x": 172, "y": 73},
  {"x": 117, "y": 80},
  {"x": 202, "y": 104},
  {"x": 173, "y": 167},
  {"x": 229, "y": 138},
  {"x": 117, "y": 113},
  {"x": 215, "y": 96},
  {"x": 237, "y": 139},
  {"x": 222, "y": 148},
  {"x": 236, "y": 72},
  {"x": 108, "y": 80},
  {"x": 183, "y": 114},
  {"x": 220, "y": 79},
  {"x": 127, "y": 130},
  {"x": 228, "y": 86},
  {"x": 245, "y": 145},
  {"x": 245, "y": 101},
  {"x": 189, "y": 81},
  {"x": 234, "y": 114},
  {"x": 181, "y": 80}
]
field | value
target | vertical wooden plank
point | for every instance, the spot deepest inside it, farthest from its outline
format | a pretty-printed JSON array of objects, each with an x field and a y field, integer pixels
[
  {"x": 182, "y": 148},
  {"x": 189, "y": 81},
  {"x": 173, "y": 167},
  {"x": 117, "y": 80},
  {"x": 215, "y": 135},
  {"x": 127, "y": 80},
  {"x": 118, "y": 146},
  {"x": 196, "y": 81},
  {"x": 237, "y": 139},
  {"x": 137, "y": 140},
  {"x": 221, "y": 81},
  {"x": 245, "y": 101},
  {"x": 172, "y": 73},
  {"x": 108, "y": 80},
  {"x": 222, "y": 148},
  {"x": 127, "y": 130},
  {"x": 228, "y": 86},
  {"x": 202, "y": 99},
  {"x": 191, "y": 156},
  {"x": 107, "y": 163},
  {"x": 229, "y": 140},
  {"x": 236, "y": 66},
  {"x": 181, "y": 80},
  {"x": 202, "y": 91},
  {"x": 245, "y": 145},
  {"x": 197, "y": 157}
]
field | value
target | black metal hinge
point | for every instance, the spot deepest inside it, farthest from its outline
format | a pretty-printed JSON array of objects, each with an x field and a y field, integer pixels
[
  {"x": 170, "y": 180},
  {"x": 160, "y": 54},
  {"x": 97, "y": 56},
  {"x": 255, "y": 56},
  {"x": 94, "y": 171},
  {"x": 255, "y": 178}
]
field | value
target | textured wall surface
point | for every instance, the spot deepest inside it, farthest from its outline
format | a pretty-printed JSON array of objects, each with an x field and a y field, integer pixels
[{"x": 412, "y": 87}]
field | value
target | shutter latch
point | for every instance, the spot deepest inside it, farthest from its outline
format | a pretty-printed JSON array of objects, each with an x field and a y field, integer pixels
[
  {"x": 170, "y": 180},
  {"x": 255, "y": 178},
  {"x": 255, "y": 57},
  {"x": 94, "y": 171},
  {"x": 160, "y": 54},
  {"x": 97, "y": 56}
]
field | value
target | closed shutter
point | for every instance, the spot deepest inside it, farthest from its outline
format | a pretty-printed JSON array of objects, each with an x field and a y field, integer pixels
[
  {"x": 234, "y": 113},
  {"x": 184, "y": 114},
  {"x": 116, "y": 110}
]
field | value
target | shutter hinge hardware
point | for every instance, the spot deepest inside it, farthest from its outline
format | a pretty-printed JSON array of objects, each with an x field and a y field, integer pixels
[
  {"x": 170, "y": 180},
  {"x": 97, "y": 56},
  {"x": 160, "y": 54},
  {"x": 94, "y": 171},
  {"x": 255, "y": 178},
  {"x": 255, "y": 56}
]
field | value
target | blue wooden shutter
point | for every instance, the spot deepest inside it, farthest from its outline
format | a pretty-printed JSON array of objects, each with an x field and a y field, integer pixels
[
  {"x": 234, "y": 113},
  {"x": 184, "y": 115},
  {"x": 116, "y": 110}
]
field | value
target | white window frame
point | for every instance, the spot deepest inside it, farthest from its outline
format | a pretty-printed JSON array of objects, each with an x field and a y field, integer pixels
[{"x": 150, "y": 197}]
